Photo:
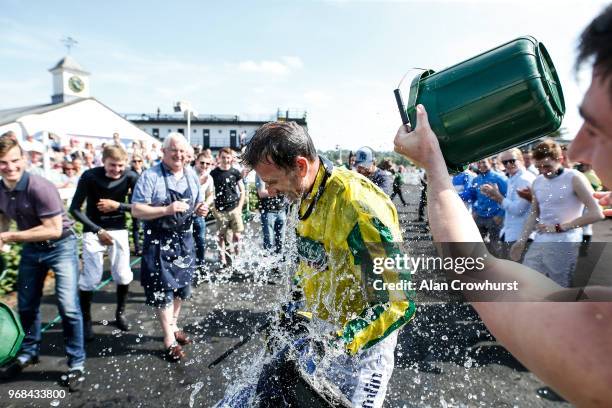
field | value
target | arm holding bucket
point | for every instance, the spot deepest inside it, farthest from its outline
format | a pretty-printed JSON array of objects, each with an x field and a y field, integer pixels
[
  {"x": 423, "y": 148},
  {"x": 549, "y": 353}
]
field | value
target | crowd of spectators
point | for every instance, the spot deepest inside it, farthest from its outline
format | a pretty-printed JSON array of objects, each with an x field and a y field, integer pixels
[{"x": 535, "y": 200}]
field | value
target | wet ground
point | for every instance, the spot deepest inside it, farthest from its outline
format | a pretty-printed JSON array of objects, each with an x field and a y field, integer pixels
[{"x": 445, "y": 357}]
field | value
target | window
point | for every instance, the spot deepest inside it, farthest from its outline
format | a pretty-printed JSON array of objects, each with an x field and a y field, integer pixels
[
  {"x": 206, "y": 138},
  {"x": 181, "y": 131},
  {"x": 155, "y": 132},
  {"x": 233, "y": 139}
]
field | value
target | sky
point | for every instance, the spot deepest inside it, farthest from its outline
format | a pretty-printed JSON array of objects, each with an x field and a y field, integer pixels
[{"x": 337, "y": 60}]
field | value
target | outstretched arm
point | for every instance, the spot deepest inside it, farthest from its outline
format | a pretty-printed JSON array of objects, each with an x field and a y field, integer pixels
[{"x": 557, "y": 341}]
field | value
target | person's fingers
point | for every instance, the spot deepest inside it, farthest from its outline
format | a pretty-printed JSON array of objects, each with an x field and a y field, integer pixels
[
  {"x": 398, "y": 146},
  {"x": 607, "y": 212},
  {"x": 604, "y": 197},
  {"x": 406, "y": 128},
  {"x": 601, "y": 194},
  {"x": 422, "y": 119}
]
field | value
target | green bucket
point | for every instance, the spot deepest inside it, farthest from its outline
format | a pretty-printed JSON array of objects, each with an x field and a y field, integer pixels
[
  {"x": 11, "y": 333},
  {"x": 502, "y": 98}
]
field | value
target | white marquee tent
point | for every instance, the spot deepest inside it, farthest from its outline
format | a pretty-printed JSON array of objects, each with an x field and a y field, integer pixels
[{"x": 87, "y": 119}]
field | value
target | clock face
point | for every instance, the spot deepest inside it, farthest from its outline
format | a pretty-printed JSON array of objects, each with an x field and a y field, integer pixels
[{"x": 76, "y": 84}]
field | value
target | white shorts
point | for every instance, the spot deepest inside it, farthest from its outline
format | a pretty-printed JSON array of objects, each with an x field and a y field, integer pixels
[
  {"x": 93, "y": 259},
  {"x": 363, "y": 378}
]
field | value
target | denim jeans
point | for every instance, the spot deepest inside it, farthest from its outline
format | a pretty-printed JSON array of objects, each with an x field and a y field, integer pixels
[
  {"x": 273, "y": 228},
  {"x": 136, "y": 230},
  {"x": 199, "y": 236},
  {"x": 36, "y": 261}
]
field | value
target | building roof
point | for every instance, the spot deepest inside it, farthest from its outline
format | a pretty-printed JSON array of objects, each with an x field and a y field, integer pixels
[
  {"x": 165, "y": 119},
  {"x": 83, "y": 117},
  {"x": 13, "y": 114},
  {"x": 70, "y": 64}
]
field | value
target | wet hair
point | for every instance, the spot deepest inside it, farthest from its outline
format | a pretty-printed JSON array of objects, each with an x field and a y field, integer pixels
[
  {"x": 596, "y": 43},
  {"x": 7, "y": 142},
  {"x": 547, "y": 148},
  {"x": 279, "y": 143},
  {"x": 114, "y": 152}
]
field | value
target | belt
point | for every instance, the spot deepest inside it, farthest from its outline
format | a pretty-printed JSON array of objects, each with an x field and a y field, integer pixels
[{"x": 51, "y": 243}]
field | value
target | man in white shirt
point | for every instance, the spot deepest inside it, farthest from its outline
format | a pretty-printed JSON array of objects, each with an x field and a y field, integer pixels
[
  {"x": 528, "y": 161},
  {"x": 203, "y": 165},
  {"x": 516, "y": 207}
]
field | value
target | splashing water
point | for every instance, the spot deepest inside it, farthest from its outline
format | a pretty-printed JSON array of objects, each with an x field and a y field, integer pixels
[
  {"x": 183, "y": 262},
  {"x": 256, "y": 265},
  {"x": 196, "y": 389}
]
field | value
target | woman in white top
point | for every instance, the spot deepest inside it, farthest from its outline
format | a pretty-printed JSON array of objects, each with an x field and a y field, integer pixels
[{"x": 559, "y": 198}]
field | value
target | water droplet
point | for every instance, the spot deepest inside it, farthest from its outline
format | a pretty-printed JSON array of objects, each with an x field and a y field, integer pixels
[
  {"x": 55, "y": 403},
  {"x": 196, "y": 388},
  {"x": 104, "y": 322}
]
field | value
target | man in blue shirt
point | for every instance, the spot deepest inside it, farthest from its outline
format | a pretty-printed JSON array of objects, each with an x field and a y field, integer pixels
[
  {"x": 516, "y": 208},
  {"x": 487, "y": 212},
  {"x": 462, "y": 183}
]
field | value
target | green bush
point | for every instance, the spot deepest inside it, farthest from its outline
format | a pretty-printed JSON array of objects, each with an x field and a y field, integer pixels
[
  {"x": 252, "y": 197},
  {"x": 12, "y": 258}
]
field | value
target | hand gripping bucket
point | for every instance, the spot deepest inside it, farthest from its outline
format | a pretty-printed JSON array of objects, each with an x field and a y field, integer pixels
[{"x": 502, "y": 98}]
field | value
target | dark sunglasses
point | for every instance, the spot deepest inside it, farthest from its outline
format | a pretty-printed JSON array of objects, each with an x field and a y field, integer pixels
[{"x": 509, "y": 161}]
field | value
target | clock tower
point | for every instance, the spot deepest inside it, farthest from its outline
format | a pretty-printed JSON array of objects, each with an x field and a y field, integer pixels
[{"x": 70, "y": 81}]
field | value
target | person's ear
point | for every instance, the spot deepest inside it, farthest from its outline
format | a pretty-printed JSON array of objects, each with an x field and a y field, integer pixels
[{"x": 302, "y": 165}]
